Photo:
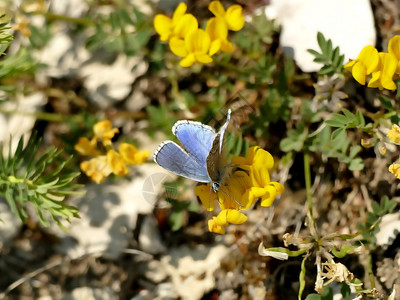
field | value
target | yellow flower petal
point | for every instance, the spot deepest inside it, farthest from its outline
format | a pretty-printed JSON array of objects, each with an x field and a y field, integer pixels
[
  {"x": 116, "y": 163},
  {"x": 206, "y": 195},
  {"x": 179, "y": 12},
  {"x": 131, "y": 155},
  {"x": 395, "y": 169},
  {"x": 394, "y": 134},
  {"x": 217, "y": 9},
  {"x": 369, "y": 57},
  {"x": 86, "y": 147},
  {"x": 97, "y": 169},
  {"x": 163, "y": 26},
  {"x": 234, "y": 17},
  {"x": 198, "y": 41},
  {"x": 214, "y": 227},
  {"x": 383, "y": 77},
  {"x": 394, "y": 48},
  {"x": 359, "y": 73},
  {"x": 185, "y": 26},
  {"x": 232, "y": 216},
  {"x": 103, "y": 130},
  {"x": 188, "y": 61},
  {"x": 178, "y": 46}
]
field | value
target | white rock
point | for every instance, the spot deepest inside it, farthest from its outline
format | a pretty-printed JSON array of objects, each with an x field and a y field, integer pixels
[
  {"x": 349, "y": 24},
  {"x": 88, "y": 293},
  {"x": 20, "y": 123},
  {"x": 108, "y": 216},
  {"x": 149, "y": 237},
  {"x": 10, "y": 224},
  {"x": 70, "y": 8},
  {"x": 109, "y": 83},
  {"x": 192, "y": 269},
  {"x": 389, "y": 228}
]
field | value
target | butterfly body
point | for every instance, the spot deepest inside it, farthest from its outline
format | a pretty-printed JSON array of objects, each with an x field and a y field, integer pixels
[{"x": 201, "y": 158}]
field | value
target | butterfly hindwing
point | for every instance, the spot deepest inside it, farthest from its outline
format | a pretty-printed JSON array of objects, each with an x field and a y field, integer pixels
[{"x": 173, "y": 158}]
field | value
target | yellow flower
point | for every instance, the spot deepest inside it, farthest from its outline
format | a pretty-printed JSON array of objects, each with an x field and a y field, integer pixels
[
  {"x": 195, "y": 48},
  {"x": 395, "y": 169},
  {"x": 224, "y": 218},
  {"x": 394, "y": 48},
  {"x": 394, "y": 134},
  {"x": 116, "y": 163},
  {"x": 233, "y": 16},
  {"x": 383, "y": 76},
  {"x": 366, "y": 63},
  {"x": 214, "y": 227},
  {"x": 241, "y": 190},
  {"x": 258, "y": 162},
  {"x": 86, "y": 147},
  {"x": 131, "y": 155},
  {"x": 179, "y": 26},
  {"x": 103, "y": 131},
  {"x": 218, "y": 32},
  {"x": 97, "y": 168}
]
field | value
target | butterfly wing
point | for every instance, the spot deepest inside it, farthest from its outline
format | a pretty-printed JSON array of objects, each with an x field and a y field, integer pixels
[
  {"x": 196, "y": 138},
  {"x": 173, "y": 158},
  {"x": 216, "y": 160}
]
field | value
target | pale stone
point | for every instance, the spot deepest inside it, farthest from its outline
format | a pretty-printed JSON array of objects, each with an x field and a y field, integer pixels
[{"x": 349, "y": 24}]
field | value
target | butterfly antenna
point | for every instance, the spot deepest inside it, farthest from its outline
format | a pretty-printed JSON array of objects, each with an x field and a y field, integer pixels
[{"x": 231, "y": 198}]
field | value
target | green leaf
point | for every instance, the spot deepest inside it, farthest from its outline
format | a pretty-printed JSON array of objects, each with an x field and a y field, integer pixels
[
  {"x": 345, "y": 291},
  {"x": 302, "y": 277},
  {"x": 314, "y": 297}
]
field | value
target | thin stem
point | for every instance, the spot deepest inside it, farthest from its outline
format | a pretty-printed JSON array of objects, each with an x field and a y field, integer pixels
[
  {"x": 52, "y": 117},
  {"x": 55, "y": 17},
  {"x": 307, "y": 177}
]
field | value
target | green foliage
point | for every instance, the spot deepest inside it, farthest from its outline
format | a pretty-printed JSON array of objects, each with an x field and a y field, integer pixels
[
  {"x": 123, "y": 30},
  {"x": 337, "y": 145},
  {"x": 386, "y": 206},
  {"x": 327, "y": 294},
  {"x": 41, "y": 182},
  {"x": 5, "y": 37},
  {"x": 330, "y": 57}
]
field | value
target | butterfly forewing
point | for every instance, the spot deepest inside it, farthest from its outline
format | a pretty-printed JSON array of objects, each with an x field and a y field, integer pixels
[
  {"x": 173, "y": 158},
  {"x": 196, "y": 138}
]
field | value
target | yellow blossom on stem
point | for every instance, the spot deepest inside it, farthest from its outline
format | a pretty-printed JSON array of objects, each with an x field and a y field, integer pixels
[
  {"x": 103, "y": 131},
  {"x": 394, "y": 134},
  {"x": 383, "y": 76},
  {"x": 241, "y": 190},
  {"x": 366, "y": 63},
  {"x": 258, "y": 162},
  {"x": 195, "y": 48},
  {"x": 116, "y": 163},
  {"x": 395, "y": 169},
  {"x": 218, "y": 32},
  {"x": 394, "y": 48},
  {"x": 233, "y": 16},
  {"x": 214, "y": 227},
  {"x": 179, "y": 26},
  {"x": 97, "y": 168},
  {"x": 86, "y": 147},
  {"x": 131, "y": 155}
]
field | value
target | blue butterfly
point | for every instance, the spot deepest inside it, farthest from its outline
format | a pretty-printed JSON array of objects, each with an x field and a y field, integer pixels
[{"x": 203, "y": 159}]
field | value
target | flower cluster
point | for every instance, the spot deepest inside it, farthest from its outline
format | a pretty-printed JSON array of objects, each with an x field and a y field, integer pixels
[
  {"x": 382, "y": 67},
  {"x": 250, "y": 182},
  {"x": 394, "y": 137},
  {"x": 194, "y": 44},
  {"x": 105, "y": 160}
]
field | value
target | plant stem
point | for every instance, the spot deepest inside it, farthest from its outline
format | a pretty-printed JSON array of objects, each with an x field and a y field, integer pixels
[
  {"x": 56, "y": 17},
  {"x": 307, "y": 178},
  {"x": 51, "y": 117}
]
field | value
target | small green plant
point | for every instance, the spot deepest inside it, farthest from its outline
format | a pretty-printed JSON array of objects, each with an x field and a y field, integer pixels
[
  {"x": 330, "y": 57},
  {"x": 40, "y": 181}
]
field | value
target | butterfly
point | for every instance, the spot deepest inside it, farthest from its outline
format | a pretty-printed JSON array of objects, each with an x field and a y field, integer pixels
[{"x": 201, "y": 158}]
